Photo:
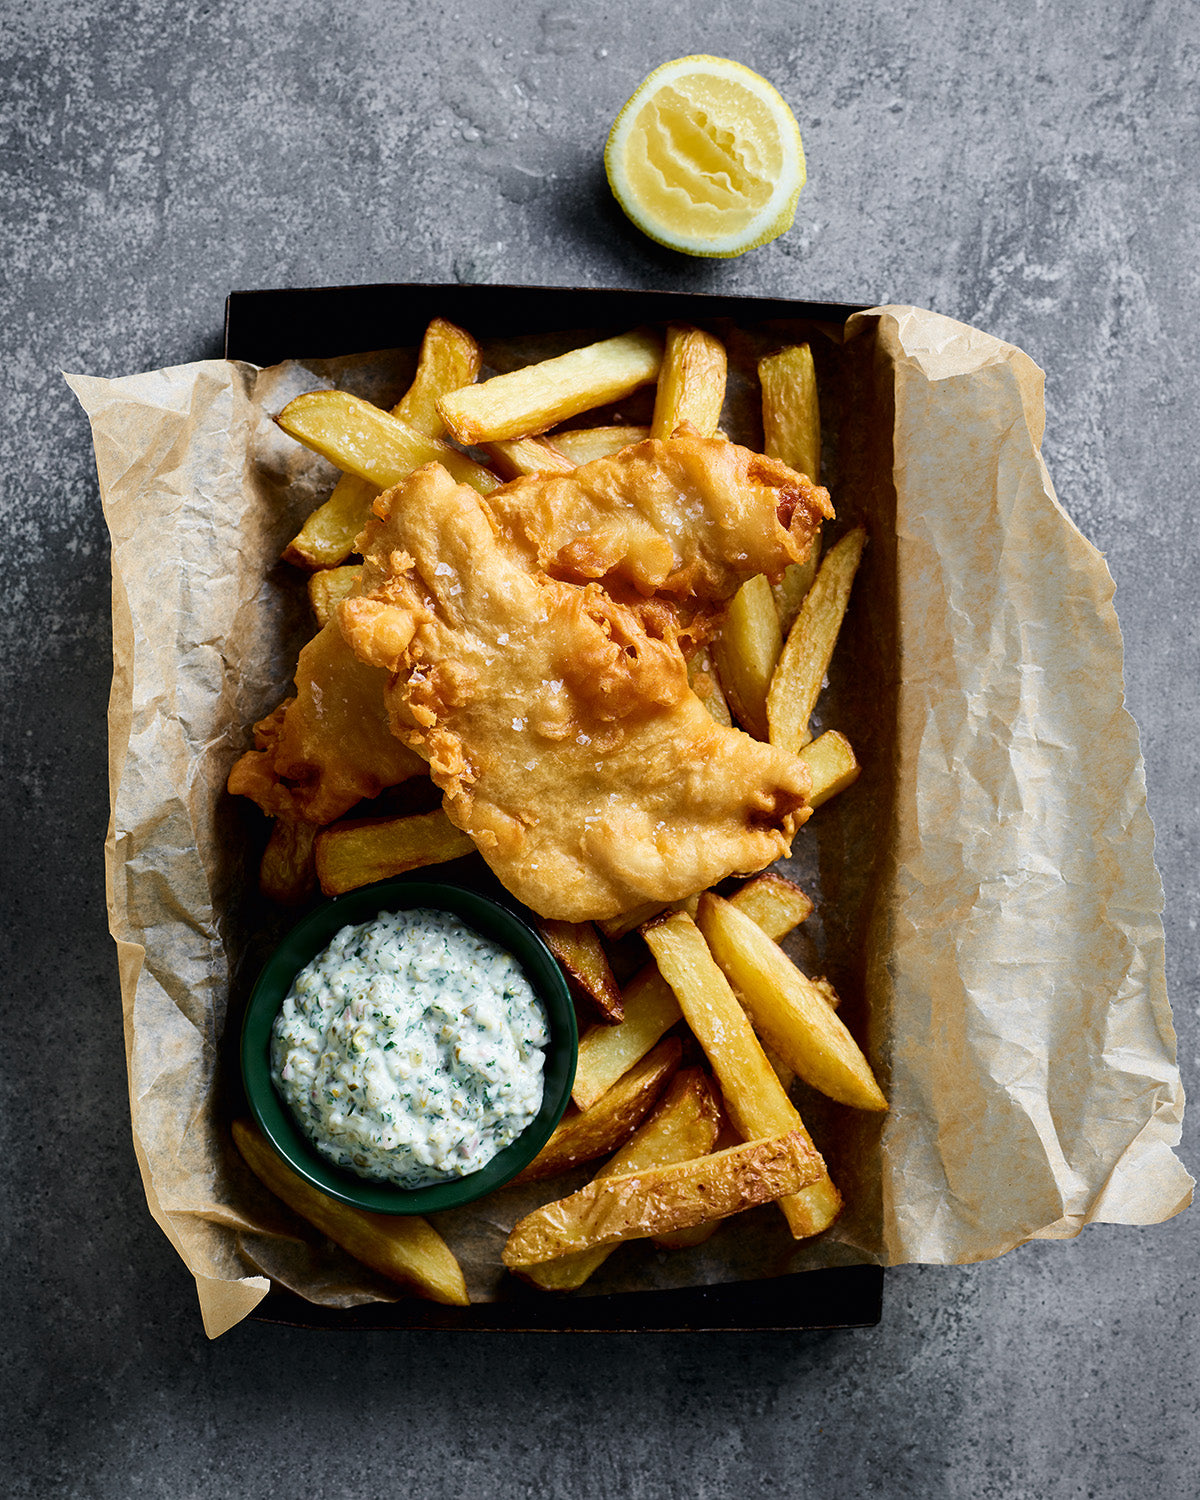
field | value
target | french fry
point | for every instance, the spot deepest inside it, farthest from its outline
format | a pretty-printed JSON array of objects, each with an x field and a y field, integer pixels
[
  {"x": 746, "y": 650},
  {"x": 358, "y": 851},
  {"x": 792, "y": 432},
  {"x": 756, "y": 1100},
  {"x": 606, "y": 1053},
  {"x": 636, "y": 1205},
  {"x": 582, "y": 444},
  {"x": 691, "y": 382},
  {"x": 515, "y": 457},
  {"x": 786, "y": 1009},
  {"x": 364, "y": 440},
  {"x": 327, "y": 537},
  {"x": 684, "y": 1239},
  {"x": 288, "y": 871},
  {"x": 791, "y": 412},
  {"x": 792, "y": 589},
  {"x": 626, "y": 957},
  {"x": 683, "y": 1126},
  {"x": 808, "y": 650},
  {"x": 617, "y": 927},
  {"x": 786, "y": 1075},
  {"x": 403, "y": 1248},
  {"x": 578, "y": 948},
  {"x": 827, "y": 992},
  {"x": 449, "y": 359},
  {"x": 525, "y": 402},
  {"x": 831, "y": 764},
  {"x": 651, "y": 1009},
  {"x": 696, "y": 1234},
  {"x": 328, "y": 587},
  {"x": 706, "y": 685},
  {"x": 772, "y": 902},
  {"x": 582, "y": 1135}
]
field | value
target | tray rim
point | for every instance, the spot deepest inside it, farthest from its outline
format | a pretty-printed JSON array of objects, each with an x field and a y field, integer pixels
[{"x": 242, "y": 307}]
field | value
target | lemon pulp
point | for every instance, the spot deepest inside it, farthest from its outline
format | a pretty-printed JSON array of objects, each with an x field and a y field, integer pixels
[{"x": 706, "y": 157}]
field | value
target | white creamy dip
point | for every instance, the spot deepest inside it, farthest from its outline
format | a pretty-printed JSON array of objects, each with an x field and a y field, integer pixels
[{"x": 411, "y": 1049}]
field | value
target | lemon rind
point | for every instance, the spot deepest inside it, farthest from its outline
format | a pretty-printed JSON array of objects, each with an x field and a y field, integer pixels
[{"x": 776, "y": 216}]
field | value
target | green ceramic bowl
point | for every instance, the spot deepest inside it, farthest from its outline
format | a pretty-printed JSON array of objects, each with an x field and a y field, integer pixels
[{"x": 314, "y": 933}]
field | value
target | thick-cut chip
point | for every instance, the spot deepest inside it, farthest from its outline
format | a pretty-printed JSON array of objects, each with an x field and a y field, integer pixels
[
  {"x": 330, "y": 746},
  {"x": 792, "y": 589},
  {"x": 639, "y": 1204},
  {"x": 696, "y": 1234},
  {"x": 792, "y": 432},
  {"x": 707, "y": 687},
  {"x": 808, "y": 650},
  {"x": 773, "y": 903},
  {"x": 288, "y": 872},
  {"x": 754, "y": 1097},
  {"x": 606, "y": 1053},
  {"x": 327, "y": 537},
  {"x": 401, "y": 1247},
  {"x": 682, "y": 1127},
  {"x": 526, "y": 402},
  {"x": 617, "y": 927},
  {"x": 793, "y": 1017},
  {"x": 359, "y": 851},
  {"x": 691, "y": 383},
  {"x": 582, "y": 444},
  {"x": 651, "y": 1009},
  {"x": 827, "y": 992},
  {"x": 582, "y": 1135},
  {"x": 786, "y": 1075},
  {"x": 365, "y": 440},
  {"x": 514, "y": 457},
  {"x": 746, "y": 650},
  {"x": 578, "y": 948},
  {"x": 831, "y": 762},
  {"x": 327, "y": 589},
  {"x": 790, "y": 410},
  {"x": 449, "y": 359}
]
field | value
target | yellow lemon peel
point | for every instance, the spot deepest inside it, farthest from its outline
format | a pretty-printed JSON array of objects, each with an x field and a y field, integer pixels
[{"x": 706, "y": 158}]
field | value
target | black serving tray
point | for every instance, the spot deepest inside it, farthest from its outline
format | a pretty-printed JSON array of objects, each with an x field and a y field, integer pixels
[{"x": 265, "y": 327}]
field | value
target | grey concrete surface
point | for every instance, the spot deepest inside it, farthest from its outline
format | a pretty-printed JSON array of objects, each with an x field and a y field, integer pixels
[{"x": 1030, "y": 169}]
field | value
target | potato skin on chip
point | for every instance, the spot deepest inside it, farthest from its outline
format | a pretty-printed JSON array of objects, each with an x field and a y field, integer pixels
[
  {"x": 754, "y": 1097},
  {"x": 586, "y": 1134},
  {"x": 581, "y": 955},
  {"x": 636, "y": 1205},
  {"x": 683, "y": 1126},
  {"x": 404, "y": 1249}
]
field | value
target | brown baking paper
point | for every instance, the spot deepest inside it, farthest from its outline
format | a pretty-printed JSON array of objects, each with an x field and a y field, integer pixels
[{"x": 988, "y": 902}]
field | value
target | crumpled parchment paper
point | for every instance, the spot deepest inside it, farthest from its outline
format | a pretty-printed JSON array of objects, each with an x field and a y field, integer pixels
[{"x": 987, "y": 894}]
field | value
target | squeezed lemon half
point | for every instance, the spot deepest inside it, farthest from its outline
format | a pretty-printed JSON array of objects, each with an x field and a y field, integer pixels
[{"x": 706, "y": 158}]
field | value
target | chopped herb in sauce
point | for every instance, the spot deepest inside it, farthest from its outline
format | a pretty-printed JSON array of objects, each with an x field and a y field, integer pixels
[{"x": 466, "y": 1080}]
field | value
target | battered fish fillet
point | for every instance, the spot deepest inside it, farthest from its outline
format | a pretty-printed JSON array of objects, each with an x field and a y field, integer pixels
[
  {"x": 688, "y": 518},
  {"x": 563, "y": 735},
  {"x": 324, "y": 750}
]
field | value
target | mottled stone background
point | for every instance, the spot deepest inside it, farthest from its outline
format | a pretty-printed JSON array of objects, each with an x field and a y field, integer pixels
[{"x": 1030, "y": 169}]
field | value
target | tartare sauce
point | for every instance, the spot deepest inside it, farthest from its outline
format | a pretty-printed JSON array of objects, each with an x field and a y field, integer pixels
[{"x": 411, "y": 1049}]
